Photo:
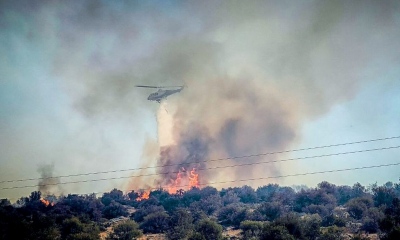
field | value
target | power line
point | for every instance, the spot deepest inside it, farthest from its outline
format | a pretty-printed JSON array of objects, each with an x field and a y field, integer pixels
[
  {"x": 209, "y": 160},
  {"x": 310, "y": 173},
  {"x": 264, "y": 178},
  {"x": 212, "y": 168},
  {"x": 272, "y": 177}
]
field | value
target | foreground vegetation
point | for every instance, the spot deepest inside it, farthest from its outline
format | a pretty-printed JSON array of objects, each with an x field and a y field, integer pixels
[{"x": 269, "y": 212}]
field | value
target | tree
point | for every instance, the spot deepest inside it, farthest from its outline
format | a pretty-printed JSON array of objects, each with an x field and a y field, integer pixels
[
  {"x": 171, "y": 203},
  {"x": 193, "y": 195},
  {"x": 390, "y": 224},
  {"x": 208, "y": 230},
  {"x": 126, "y": 231},
  {"x": 321, "y": 210},
  {"x": 268, "y": 211},
  {"x": 144, "y": 211},
  {"x": 265, "y": 193},
  {"x": 115, "y": 209},
  {"x": 328, "y": 188},
  {"x": 157, "y": 222},
  {"x": 229, "y": 197},
  {"x": 251, "y": 229},
  {"x": 275, "y": 232},
  {"x": 209, "y": 204},
  {"x": 133, "y": 195},
  {"x": 310, "y": 225},
  {"x": 344, "y": 194},
  {"x": 284, "y": 195},
  {"x": 332, "y": 233},
  {"x": 73, "y": 228},
  {"x": 232, "y": 214},
  {"x": 333, "y": 220},
  {"x": 5, "y": 203},
  {"x": 358, "y": 190},
  {"x": 357, "y": 206},
  {"x": 292, "y": 223},
  {"x": 80, "y": 206},
  {"x": 115, "y": 195},
  {"x": 383, "y": 195},
  {"x": 181, "y": 225},
  {"x": 247, "y": 194},
  {"x": 370, "y": 221}
]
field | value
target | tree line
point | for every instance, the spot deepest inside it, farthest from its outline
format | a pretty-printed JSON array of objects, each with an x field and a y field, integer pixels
[{"x": 268, "y": 212}]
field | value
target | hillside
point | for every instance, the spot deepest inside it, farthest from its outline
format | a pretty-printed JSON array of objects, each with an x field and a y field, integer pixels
[{"x": 268, "y": 212}]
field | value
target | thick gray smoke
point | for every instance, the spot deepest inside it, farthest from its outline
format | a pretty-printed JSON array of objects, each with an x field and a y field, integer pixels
[
  {"x": 241, "y": 118},
  {"x": 279, "y": 72},
  {"x": 256, "y": 71}
]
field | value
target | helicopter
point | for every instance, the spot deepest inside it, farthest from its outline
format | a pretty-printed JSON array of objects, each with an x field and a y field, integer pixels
[{"x": 162, "y": 93}]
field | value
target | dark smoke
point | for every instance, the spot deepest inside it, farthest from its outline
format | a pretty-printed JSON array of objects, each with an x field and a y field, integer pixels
[
  {"x": 240, "y": 118},
  {"x": 256, "y": 71},
  {"x": 189, "y": 153},
  {"x": 48, "y": 184}
]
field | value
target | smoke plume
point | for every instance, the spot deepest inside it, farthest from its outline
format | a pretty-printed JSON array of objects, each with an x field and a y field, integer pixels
[
  {"x": 48, "y": 184},
  {"x": 255, "y": 72}
]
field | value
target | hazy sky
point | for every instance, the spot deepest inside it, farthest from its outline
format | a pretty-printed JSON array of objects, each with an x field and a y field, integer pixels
[{"x": 320, "y": 72}]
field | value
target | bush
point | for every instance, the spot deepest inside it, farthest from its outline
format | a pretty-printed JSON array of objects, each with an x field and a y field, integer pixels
[
  {"x": 126, "y": 231},
  {"x": 181, "y": 225},
  {"x": 208, "y": 230},
  {"x": 251, "y": 229},
  {"x": 273, "y": 232},
  {"x": 155, "y": 223},
  {"x": 332, "y": 233}
]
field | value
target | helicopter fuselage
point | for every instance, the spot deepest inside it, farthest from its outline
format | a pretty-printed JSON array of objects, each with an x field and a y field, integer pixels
[{"x": 162, "y": 94}]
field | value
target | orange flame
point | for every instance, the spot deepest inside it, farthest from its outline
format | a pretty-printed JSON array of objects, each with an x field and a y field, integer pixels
[
  {"x": 183, "y": 180},
  {"x": 46, "y": 202},
  {"x": 175, "y": 185},
  {"x": 144, "y": 195},
  {"x": 193, "y": 179}
]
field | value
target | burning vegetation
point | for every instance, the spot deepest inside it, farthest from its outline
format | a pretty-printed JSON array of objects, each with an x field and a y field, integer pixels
[
  {"x": 46, "y": 202},
  {"x": 143, "y": 195},
  {"x": 268, "y": 212},
  {"x": 184, "y": 180}
]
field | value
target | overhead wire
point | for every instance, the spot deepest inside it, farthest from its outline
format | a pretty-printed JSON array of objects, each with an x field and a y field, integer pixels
[
  {"x": 262, "y": 178},
  {"x": 207, "y": 160},
  {"x": 212, "y": 168}
]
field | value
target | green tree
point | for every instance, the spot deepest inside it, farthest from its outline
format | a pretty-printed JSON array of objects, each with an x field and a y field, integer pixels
[
  {"x": 390, "y": 224},
  {"x": 357, "y": 206},
  {"x": 126, "y": 231},
  {"x": 181, "y": 225},
  {"x": 73, "y": 228},
  {"x": 383, "y": 195},
  {"x": 251, "y": 229},
  {"x": 275, "y": 232},
  {"x": 292, "y": 223},
  {"x": 310, "y": 225},
  {"x": 332, "y": 233},
  {"x": 115, "y": 195},
  {"x": 155, "y": 222},
  {"x": 269, "y": 210},
  {"x": 208, "y": 230},
  {"x": 114, "y": 209},
  {"x": 232, "y": 214}
]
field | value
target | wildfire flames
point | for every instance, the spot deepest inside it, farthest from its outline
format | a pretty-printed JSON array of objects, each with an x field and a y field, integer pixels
[
  {"x": 46, "y": 202},
  {"x": 184, "y": 180},
  {"x": 144, "y": 195},
  {"x": 193, "y": 179}
]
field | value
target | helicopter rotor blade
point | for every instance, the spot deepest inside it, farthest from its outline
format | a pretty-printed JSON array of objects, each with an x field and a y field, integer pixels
[{"x": 146, "y": 86}]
